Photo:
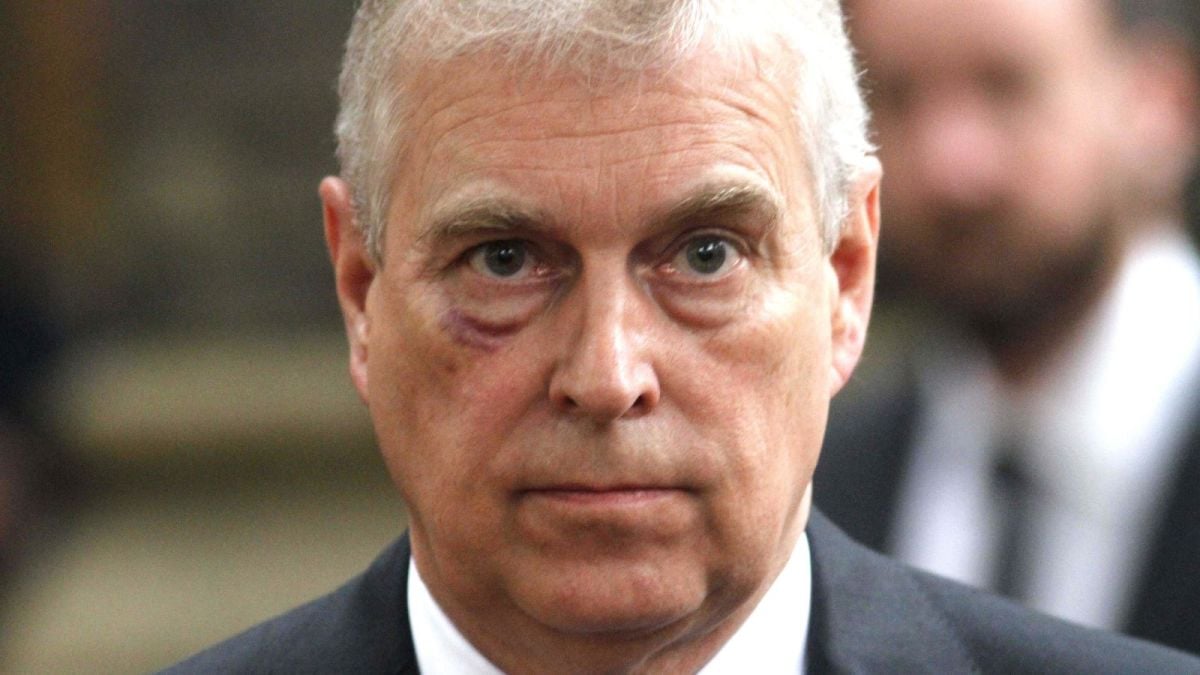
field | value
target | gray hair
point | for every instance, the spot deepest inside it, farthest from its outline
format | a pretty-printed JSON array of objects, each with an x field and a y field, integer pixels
[{"x": 390, "y": 39}]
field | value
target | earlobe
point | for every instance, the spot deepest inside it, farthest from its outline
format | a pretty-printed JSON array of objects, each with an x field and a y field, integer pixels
[
  {"x": 354, "y": 272},
  {"x": 1164, "y": 119},
  {"x": 853, "y": 264}
]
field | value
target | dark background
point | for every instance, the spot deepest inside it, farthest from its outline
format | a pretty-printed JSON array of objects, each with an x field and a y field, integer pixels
[{"x": 181, "y": 453}]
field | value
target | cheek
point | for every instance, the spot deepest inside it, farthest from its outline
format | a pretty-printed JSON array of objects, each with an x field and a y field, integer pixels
[
  {"x": 770, "y": 398},
  {"x": 785, "y": 330},
  {"x": 416, "y": 376},
  {"x": 773, "y": 380},
  {"x": 1075, "y": 185},
  {"x": 1068, "y": 160},
  {"x": 444, "y": 393}
]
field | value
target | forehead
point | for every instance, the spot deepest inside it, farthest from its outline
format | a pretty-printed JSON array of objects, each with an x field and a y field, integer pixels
[{"x": 604, "y": 148}]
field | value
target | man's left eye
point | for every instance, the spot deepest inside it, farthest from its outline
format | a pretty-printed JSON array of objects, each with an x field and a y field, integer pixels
[
  {"x": 507, "y": 259},
  {"x": 706, "y": 256}
]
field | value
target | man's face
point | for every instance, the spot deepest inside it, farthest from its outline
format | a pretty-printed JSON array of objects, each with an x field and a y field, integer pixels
[
  {"x": 601, "y": 345},
  {"x": 998, "y": 122}
]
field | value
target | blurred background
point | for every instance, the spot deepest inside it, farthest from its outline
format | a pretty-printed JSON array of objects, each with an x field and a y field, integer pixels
[
  {"x": 181, "y": 451},
  {"x": 1026, "y": 417}
]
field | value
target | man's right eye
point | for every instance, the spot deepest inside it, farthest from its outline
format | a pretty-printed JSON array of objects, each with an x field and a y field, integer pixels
[{"x": 507, "y": 259}]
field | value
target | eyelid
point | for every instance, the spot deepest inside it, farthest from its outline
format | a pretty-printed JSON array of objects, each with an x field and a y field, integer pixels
[
  {"x": 540, "y": 263},
  {"x": 476, "y": 258},
  {"x": 678, "y": 248},
  {"x": 739, "y": 243}
]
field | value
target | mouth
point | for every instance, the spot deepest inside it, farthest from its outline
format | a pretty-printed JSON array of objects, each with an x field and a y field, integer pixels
[
  {"x": 590, "y": 519},
  {"x": 603, "y": 497}
]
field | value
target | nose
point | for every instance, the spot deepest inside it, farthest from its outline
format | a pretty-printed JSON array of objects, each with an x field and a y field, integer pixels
[
  {"x": 960, "y": 153},
  {"x": 605, "y": 372}
]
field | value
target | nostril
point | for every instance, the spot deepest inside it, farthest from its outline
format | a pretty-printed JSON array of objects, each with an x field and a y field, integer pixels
[
  {"x": 642, "y": 405},
  {"x": 607, "y": 407}
]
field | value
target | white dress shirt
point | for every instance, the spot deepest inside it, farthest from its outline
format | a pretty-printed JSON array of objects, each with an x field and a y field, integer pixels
[
  {"x": 1100, "y": 433},
  {"x": 773, "y": 639}
]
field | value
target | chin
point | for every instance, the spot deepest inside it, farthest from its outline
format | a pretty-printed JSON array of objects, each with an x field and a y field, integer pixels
[{"x": 623, "y": 600}]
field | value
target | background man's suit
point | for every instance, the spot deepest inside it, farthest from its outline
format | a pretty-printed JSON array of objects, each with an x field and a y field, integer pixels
[
  {"x": 870, "y": 615},
  {"x": 859, "y": 476}
]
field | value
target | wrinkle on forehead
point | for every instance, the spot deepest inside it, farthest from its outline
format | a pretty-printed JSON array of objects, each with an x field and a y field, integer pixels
[
  {"x": 602, "y": 128},
  {"x": 476, "y": 79}
]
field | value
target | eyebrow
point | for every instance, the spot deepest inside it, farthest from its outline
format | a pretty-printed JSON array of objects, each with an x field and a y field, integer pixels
[
  {"x": 709, "y": 202},
  {"x": 722, "y": 201},
  {"x": 481, "y": 214}
]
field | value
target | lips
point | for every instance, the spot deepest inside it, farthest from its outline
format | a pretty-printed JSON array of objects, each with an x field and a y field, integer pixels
[
  {"x": 590, "y": 520},
  {"x": 615, "y": 496}
]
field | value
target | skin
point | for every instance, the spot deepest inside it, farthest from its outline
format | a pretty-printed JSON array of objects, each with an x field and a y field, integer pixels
[
  {"x": 606, "y": 454},
  {"x": 1007, "y": 126}
]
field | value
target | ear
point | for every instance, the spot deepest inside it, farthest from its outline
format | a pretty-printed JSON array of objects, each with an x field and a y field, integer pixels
[
  {"x": 1163, "y": 121},
  {"x": 852, "y": 263},
  {"x": 353, "y": 270}
]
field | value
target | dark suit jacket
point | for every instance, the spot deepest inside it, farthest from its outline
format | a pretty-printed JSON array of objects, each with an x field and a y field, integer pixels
[
  {"x": 869, "y": 615},
  {"x": 867, "y": 450}
]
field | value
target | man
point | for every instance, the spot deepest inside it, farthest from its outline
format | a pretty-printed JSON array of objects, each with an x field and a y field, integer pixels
[
  {"x": 602, "y": 266},
  {"x": 1045, "y": 438}
]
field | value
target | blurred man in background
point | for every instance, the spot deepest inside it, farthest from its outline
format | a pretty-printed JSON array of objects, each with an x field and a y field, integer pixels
[{"x": 1043, "y": 438}]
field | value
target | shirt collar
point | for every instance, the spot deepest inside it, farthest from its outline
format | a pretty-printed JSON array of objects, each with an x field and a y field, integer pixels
[{"x": 774, "y": 638}]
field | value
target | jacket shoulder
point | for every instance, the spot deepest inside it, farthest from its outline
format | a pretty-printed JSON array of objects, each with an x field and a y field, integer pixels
[
  {"x": 872, "y": 614},
  {"x": 1007, "y": 637}
]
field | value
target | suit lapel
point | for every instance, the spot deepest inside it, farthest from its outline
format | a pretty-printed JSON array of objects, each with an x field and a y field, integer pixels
[
  {"x": 1166, "y": 606},
  {"x": 381, "y": 612}
]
